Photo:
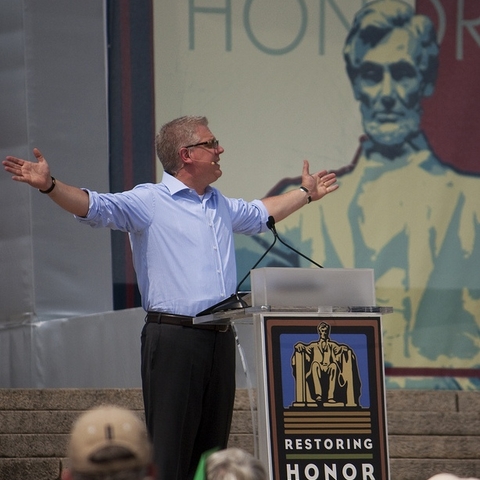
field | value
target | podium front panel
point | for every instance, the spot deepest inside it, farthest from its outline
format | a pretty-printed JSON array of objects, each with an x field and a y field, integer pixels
[{"x": 321, "y": 396}]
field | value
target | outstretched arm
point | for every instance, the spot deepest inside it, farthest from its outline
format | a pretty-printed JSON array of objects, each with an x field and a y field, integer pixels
[
  {"x": 314, "y": 187},
  {"x": 37, "y": 174}
]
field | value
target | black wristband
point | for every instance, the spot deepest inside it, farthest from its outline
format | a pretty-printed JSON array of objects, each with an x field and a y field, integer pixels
[
  {"x": 51, "y": 188},
  {"x": 305, "y": 189}
]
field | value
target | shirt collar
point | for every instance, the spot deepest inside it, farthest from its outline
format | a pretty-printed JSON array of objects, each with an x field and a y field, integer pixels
[{"x": 174, "y": 185}]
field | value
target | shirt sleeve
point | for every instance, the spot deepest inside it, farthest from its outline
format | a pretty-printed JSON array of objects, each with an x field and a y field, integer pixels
[
  {"x": 130, "y": 211},
  {"x": 249, "y": 218}
]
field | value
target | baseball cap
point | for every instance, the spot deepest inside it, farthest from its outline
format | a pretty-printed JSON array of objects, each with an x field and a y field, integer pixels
[
  {"x": 98, "y": 430},
  {"x": 448, "y": 476}
]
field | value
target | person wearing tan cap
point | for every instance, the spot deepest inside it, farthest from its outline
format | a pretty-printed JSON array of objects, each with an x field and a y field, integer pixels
[
  {"x": 449, "y": 476},
  {"x": 109, "y": 443}
]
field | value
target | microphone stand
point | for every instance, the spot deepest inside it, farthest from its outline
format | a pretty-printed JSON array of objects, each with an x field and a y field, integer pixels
[
  {"x": 258, "y": 261},
  {"x": 271, "y": 226}
]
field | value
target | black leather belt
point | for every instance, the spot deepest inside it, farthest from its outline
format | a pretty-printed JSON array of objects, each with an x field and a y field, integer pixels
[{"x": 182, "y": 321}]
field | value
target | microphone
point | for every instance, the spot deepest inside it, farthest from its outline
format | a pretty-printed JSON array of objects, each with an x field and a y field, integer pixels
[{"x": 271, "y": 226}]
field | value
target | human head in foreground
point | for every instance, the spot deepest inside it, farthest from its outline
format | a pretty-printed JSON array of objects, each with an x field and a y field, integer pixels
[
  {"x": 449, "y": 476},
  {"x": 234, "y": 464},
  {"x": 109, "y": 442}
]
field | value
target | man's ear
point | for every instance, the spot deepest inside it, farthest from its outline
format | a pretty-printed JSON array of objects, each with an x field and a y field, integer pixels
[{"x": 185, "y": 155}]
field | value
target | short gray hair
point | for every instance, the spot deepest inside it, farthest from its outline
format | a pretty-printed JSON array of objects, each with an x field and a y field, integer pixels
[
  {"x": 234, "y": 464},
  {"x": 173, "y": 136},
  {"x": 376, "y": 20}
]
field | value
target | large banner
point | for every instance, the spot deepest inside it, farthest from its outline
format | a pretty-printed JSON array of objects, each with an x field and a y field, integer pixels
[{"x": 385, "y": 93}]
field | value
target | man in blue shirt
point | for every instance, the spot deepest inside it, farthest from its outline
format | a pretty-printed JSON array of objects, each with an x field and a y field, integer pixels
[{"x": 181, "y": 232}]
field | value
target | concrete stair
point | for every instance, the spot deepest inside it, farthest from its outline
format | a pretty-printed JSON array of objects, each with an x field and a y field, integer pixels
[{"x": 428, "y": 431}]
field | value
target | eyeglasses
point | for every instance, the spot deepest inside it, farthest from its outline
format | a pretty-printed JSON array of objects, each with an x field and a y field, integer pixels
[{"x": 210, "y": 144}]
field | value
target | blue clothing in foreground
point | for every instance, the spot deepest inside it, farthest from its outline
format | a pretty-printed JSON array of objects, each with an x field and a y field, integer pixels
[{"x": 182, "y": 244}]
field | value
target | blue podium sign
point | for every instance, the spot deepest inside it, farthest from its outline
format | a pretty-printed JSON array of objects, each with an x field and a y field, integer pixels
[{"x": 322, "y": 412}]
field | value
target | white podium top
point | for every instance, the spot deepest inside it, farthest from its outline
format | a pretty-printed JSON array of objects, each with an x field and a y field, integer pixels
[{"x": 247, "y": 312}]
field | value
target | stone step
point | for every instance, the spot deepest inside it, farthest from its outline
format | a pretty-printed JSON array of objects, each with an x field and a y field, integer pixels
[
  {"x": 433, "y": 423},
  {"x": 61, "y": 421},
  {"x": 68, "y": 398},
  {"x": 423, "y": 469},
  {"x": 431, "y": 446},
  {"x": 33, "y": 445},
  {"x": 399, "y": 423},
  {"x": 30, "y": 468},
  {"x": 82, "y": 398},
  {"x": 79, "y": 399},
  {"x": 432, "y": 401}
]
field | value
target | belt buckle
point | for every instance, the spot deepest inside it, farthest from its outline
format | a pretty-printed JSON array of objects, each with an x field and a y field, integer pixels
[
  {"x": 186, "y": 322},
  {"x": 223, "y": 328}
]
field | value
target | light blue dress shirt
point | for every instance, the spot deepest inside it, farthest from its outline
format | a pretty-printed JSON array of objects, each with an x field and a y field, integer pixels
[{"x": 182, "y": 244}]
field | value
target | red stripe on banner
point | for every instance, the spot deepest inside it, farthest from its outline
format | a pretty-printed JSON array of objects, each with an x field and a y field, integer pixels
[
  {"x": 432, "y": 372},
  {"x": 451, "y": 117}
]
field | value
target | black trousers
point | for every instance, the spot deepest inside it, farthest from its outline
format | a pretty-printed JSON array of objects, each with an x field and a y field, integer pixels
[{"x": 188, "y": 378}]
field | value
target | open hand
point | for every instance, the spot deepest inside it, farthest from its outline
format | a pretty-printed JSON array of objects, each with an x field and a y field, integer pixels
[
  {"x": 36, "y": 174},
  {"x": 318, "y": 184}
]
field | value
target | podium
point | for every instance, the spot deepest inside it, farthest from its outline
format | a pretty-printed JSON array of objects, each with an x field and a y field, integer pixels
[{"x": 320, "y": 373}]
